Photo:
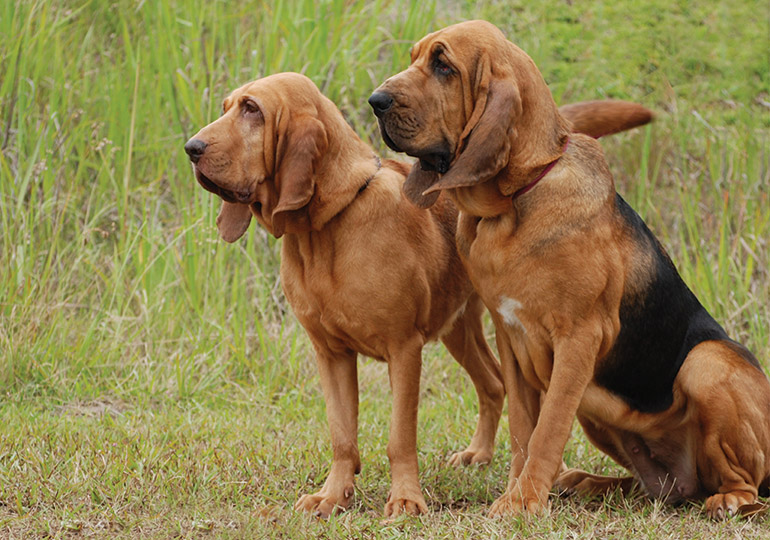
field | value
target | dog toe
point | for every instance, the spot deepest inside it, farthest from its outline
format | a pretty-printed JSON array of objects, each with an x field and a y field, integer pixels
[
  {"x": 412, "y": 504},
  {"x": 726, "y": 505},
  {"x": 470, "y": 457}
]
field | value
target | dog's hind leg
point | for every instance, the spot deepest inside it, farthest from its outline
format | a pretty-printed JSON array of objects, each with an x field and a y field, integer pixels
[
  {"x": 467, "y": 345},
  {"x": 731, "y": 396},
  {"x": 575, "y": 481}
]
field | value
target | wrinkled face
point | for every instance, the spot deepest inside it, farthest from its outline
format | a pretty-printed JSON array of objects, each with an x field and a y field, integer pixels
[
  {"x": 475, "y": 110},
  {"x": 422, "y": 111},
  {"x": 259, "y": 157},
  {"x": 227, "y": 154}
]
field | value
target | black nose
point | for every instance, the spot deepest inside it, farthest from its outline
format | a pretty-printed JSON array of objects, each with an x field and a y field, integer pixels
[
  {"x": 380, "y": 102},
  {"x": 195, "y": 149}
]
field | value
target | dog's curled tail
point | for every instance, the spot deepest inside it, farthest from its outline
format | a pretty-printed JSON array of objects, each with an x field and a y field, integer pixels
[{"x": 605, "y": 116}]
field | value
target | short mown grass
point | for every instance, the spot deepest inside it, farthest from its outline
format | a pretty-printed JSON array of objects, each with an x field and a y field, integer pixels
[{"x": 154, "y": 381}]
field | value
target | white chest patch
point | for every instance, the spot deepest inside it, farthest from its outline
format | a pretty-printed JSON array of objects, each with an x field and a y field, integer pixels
[{"x": 507, "y": 311}]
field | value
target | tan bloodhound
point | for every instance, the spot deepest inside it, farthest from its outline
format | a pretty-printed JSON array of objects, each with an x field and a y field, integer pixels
[
  {"x": 588, "y": 307},
  {"x": 364, "y": 271}
]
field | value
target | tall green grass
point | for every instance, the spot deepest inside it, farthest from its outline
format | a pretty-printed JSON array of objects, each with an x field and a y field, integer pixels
[
  {"x": 113, "y": 270},
  {"x": 147, "y": 369}
]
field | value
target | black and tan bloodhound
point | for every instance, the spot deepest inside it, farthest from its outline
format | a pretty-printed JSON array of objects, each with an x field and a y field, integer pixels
[
  {"x": 364, "y": 271},
  {"x": 588, "y": 307}
]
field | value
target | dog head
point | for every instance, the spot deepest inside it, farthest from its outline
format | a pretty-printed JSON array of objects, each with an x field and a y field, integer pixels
[
  {"x": 470, "y": 105},
  {"x": 259, "y": 156}
]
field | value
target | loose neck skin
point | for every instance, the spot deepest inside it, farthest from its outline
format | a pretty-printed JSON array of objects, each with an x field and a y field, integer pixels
[
  {"x": 339, "y": 175},
  {"x": 482, "y": 200},
  {"x": 342, "y": 170}
]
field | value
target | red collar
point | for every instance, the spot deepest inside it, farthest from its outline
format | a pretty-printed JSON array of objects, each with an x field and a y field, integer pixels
[{"x": 533, "y": 183}]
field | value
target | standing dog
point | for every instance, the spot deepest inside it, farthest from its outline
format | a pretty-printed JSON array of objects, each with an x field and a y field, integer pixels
[
  {"x": 363, "y": 269},
  {"x": 587, "y": 306}
]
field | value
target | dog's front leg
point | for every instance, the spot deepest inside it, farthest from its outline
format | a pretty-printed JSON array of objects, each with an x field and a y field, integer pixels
[
  {"x": 339, "y": 380},
  {"x": 523, "y": 408},
  {"x": 404, "y": 371},
  {"x": 572, "y": 371}
]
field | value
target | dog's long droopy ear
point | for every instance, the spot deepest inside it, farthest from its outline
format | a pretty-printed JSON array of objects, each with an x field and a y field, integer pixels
[
  {"x": 233, "y": 220},
  {"x": 487, "y": 144},
  {"x": 417, "y": 181},
  {"x": 303, "y": 142}
]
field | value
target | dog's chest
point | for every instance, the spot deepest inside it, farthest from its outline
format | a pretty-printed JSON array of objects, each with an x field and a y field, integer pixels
[
  {"x": 497, "y": 265},
  {"x": 359, "y": 291},
  {"x": 503, "y": 281},
  {"x": 334, "y": 317},
  {"x": 521, "y": 336}
]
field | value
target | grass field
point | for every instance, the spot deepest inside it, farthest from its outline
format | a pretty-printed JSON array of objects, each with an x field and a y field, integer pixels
[{"x": 155, "y": 383}]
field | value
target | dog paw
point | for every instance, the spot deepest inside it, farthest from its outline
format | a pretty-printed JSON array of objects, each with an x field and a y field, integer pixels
[
  {"x": 572, "y": 481},
  {"x": 575, "y": 481},
  {"x": 405, "y": 501},
  {"x": 727, "y": 505},
  {"x": 324, "y": 503},
  {"x": 470, "y": 457},
  {"x": 512, "y": 503}
]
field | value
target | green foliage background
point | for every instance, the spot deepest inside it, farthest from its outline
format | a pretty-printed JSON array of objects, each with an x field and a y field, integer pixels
[{"x": 154, "y": 379}]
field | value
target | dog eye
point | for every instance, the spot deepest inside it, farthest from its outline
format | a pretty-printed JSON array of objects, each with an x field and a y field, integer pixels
[
  {"x": 250, "y": 108},
  {"x": 441, "y": 68}
]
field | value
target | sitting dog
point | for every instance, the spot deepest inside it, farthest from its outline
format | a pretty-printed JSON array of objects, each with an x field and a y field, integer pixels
[
  {"x": 587, "y": 306},
  {"x": 363, "y": 270}
]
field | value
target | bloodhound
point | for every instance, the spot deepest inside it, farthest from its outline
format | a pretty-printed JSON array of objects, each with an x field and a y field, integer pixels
[
  {"x": 588, "y": 307},
  {"x": 363, "y": 269}
]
